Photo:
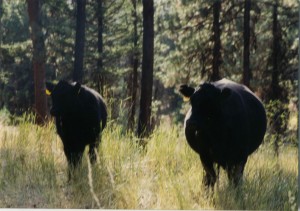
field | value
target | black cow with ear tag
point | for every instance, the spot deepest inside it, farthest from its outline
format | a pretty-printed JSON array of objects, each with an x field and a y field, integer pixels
[
  {"x": 226, "y": 123},
  {"x": 80, "y": 114}
]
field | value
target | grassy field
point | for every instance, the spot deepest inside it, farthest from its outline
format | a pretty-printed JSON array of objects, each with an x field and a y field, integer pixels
[{"x": 166, "y": 175}]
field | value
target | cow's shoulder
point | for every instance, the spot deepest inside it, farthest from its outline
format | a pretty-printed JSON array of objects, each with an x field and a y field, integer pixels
[{"x": 92, "y": 100}]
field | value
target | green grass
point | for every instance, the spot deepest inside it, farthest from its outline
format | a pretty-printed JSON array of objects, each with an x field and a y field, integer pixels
[{"x": 167, "y": 174}]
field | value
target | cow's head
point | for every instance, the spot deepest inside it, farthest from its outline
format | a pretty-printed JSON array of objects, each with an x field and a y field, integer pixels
[
  {"x": 64, "y": 97},
  {"x": 206, "y": 101}
]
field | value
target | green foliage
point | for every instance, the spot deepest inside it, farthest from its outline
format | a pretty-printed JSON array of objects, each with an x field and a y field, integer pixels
[
  {"x": 14, "y": 22},
  {"x": 279, "y": 127},
  {"x": 16, "y": 79},
  {"x": 4, "y": 116},
  {"x": 183, "y": 47},
  {"x": 190, "y": 60},
  {"x": 59, "y": 25}
]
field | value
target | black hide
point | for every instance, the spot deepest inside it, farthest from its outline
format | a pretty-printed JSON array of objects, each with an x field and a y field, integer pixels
[
  {"x": 225, "y": 124},
  {"x": 80, "y": 114}
]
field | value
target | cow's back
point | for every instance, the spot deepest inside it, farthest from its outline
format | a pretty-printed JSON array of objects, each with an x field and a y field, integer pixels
[
  {"x": 87, "y": 120},
  {"x": 247, "y": 114},
  {"x": 94, "y": 99}
]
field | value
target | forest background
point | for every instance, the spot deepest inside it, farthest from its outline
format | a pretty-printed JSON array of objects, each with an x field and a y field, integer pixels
[{"x": 194, "y": 41}]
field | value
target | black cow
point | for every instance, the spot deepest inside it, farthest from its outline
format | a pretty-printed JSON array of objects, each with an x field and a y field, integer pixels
[
  {"x": 80, "y": 114},
  {"x": 225, "y": 124}
]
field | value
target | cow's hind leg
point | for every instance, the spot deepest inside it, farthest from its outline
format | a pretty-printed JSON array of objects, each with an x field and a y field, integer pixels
[
  {"x": 74, "y": 157},
  {"x": 210, "y": 176},
  {"x": 235, "y": 172},
  {"x": 92, "y": 151}
]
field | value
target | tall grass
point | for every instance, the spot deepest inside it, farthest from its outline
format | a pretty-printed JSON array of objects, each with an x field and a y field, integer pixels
[{"x": 166, "y": 174}]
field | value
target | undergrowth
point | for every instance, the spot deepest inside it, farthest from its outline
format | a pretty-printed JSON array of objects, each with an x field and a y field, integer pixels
[{"x": 166, "y": 174}]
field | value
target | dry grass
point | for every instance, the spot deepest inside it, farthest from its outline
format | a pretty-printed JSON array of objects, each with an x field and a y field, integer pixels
[{"x": 166, "y": 175}]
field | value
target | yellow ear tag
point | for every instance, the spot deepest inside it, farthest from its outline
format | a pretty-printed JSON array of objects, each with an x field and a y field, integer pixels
[
  {"x": 185, "y": 99},
  {"x": 48, "y": 92}
]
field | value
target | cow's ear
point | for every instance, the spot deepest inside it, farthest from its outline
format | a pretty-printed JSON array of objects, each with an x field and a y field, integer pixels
[
  {"x": 49, "y": 88},
  {"x": 186, "y": 91},
  {"x": 225, "y": 93},
  {"x": 77, "y": 88}
]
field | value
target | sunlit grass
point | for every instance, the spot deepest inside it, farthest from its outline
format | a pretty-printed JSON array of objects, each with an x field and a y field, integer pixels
[{"x": 167, "y": 174}]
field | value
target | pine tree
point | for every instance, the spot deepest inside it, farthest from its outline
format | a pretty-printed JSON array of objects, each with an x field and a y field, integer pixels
[
  {"x": 79, "y": 41},
  {"x": 144, "y": 126},
  {"x": 38, "y": 60},
  {"x": 246, "y": 64}
]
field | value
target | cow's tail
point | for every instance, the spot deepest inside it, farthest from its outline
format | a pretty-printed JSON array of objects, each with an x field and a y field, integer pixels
[
  {"x": 103, "y": 117},
  {"x": 103, "y": 123}
]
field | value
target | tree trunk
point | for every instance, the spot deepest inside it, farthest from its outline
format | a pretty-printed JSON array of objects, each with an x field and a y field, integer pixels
[
  {"x": 39, "y": 56},
  {"x": 1, "y": 57},
  {"x": 144, "y": 127},
  {"x": 247, "y": 71},
  {"x": 135, "y": 63},
  {"x": 99, "y": 73},
  {"x": 217, "y": 41},
  {"x": 275, "y": 89},
  {"x": 1, "y": 13},
  {"x": 79, "y": 41}
]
